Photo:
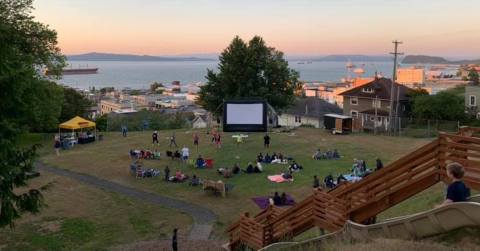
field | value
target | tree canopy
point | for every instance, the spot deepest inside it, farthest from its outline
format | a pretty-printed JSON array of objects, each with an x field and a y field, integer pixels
[
  {"x": 249, "y": 70},
  {"x": 473, "y": 77},
  {"x": 27, "y": 100},
  {"x": 445, "y": 105},
  {"x": 74, "y": 104}
]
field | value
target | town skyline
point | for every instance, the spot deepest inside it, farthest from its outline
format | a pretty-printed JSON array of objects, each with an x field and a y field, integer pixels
[{"x": 294, "y": 27}]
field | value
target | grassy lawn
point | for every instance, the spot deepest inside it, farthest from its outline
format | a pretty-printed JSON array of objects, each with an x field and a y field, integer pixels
[
  {"x": 79, "y": 217},
  {"x": 109, "y": 159}
]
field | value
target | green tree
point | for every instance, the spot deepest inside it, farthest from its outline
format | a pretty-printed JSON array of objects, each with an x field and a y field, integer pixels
[
  {"x": 251, "y": 70},
  {"x": 473, "y": 77},
  {"x": 444, "y": 105},
  {"x": 74, "y": 104},
  {"x": 26, "y": 47},
  {"x": 154, "y": 88}
]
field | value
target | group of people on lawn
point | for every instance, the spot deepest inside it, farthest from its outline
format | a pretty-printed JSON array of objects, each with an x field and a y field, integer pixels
[{"x": 457, "y": 191}]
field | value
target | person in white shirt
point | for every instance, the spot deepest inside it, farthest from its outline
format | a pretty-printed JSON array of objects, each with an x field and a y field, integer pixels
[{"x": 185, "y": 153}]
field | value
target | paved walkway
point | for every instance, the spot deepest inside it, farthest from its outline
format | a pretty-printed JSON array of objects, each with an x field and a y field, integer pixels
[{"x": 203, "y": 218}]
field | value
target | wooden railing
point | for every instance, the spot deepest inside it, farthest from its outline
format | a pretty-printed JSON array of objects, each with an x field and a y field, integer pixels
[{"x": 362, "y": 200}]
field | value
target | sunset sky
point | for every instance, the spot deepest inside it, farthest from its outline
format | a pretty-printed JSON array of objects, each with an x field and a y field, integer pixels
[{"x": 297, "y": 27}]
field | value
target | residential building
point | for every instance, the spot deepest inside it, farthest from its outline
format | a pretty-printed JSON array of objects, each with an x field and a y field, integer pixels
[
  {"x": 472, "y": 99},
  {"x": 110, "y": 105},
  {"x": 307, "y": 111},
  {"x": 370, "y": 103},
  {"x": 412, "y": 76},
  {"x": 199, "y": 122}
]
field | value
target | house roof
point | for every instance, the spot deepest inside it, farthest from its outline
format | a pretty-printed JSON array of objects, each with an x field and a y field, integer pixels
[
  {"x": 381, "y": 89},
  {"x": 312, "y": 107}
]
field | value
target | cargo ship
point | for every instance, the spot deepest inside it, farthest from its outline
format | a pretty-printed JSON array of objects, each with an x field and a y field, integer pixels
[{"x": 74, "y": 71}]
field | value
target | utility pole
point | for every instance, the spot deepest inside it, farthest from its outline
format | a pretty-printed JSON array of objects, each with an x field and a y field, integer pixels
[{"x": 392, "y": 123}]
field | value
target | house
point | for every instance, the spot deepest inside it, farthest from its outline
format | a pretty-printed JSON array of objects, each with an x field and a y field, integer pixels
[
  {"x": 370, "y": 103},
  {"x": 199, "y": 122},
  {"x": 307, "y": 111},
  {"x": 472, "y": 96}
]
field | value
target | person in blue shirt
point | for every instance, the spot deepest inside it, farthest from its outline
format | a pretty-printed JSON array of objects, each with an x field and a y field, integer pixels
[{"x": 457, "y": 191}]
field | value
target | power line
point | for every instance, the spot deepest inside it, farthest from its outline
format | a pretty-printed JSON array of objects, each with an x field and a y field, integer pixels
[{"x": 392, "y": 119}]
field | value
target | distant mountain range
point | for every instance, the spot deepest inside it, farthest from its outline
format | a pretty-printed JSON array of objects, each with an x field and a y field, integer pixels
[
  {"x": 354, "y": 58},
  {"x": 95, "y": 56},
  {"x": 423, "y": 59}
]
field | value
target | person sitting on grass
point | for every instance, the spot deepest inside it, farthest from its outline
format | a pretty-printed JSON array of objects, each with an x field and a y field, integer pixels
[
  {"x": 195, "y": 181},
  {"x": 316, "y": 181},
  {"x": 176, "y": 155},
  {"x": 156, "y": 154},
  {"x": 277, "y": 200},
  {"x": 274, "y": 156},
  {"x": 260, "y": 157},
  {"x": 317, "y": 155},
  {"x": 379, "y": 164},
  {"x": 341, "y": 179},
  {"x": 258, "y": 168},
  {"x": 225, "y": 172},
  {"x": 267, "y": 159},
  {"x": 295, "y": 167},
  {"x": 236, "y": 169},
  {"x": 457, "y": 191},
  {"x": 329, "y": 183},
  {"x": 200, "y": 163},
  {"x": 283, "y": 199},
  {"x": 288, "y": 175},
  {"x": 336, "y": 155},
  {"x": 250, "y": 168},
  {"x": 179, "y": 176}
]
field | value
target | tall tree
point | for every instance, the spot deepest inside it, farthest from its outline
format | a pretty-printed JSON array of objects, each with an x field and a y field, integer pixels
[
  {"x": 445, "y": 105},
  {"x": 74, "y": 104},
  {"x": 473, "y": 77},
  {"x": 251, "y": 70},
  {"x": 26, "y": 47}
]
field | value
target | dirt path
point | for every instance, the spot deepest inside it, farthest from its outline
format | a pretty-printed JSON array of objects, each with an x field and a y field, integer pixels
[{"x": 203, "y": 218}]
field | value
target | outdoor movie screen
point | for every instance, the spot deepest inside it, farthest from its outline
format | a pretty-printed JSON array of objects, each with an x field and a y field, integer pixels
[{"x": 244, "y": 116}]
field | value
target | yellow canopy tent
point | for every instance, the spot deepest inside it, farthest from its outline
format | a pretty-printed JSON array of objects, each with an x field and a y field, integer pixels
[{"x": 77, "y": 123}]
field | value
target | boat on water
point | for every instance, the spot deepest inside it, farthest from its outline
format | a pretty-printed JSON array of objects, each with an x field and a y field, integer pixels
[{"x": 75, "y": 71}]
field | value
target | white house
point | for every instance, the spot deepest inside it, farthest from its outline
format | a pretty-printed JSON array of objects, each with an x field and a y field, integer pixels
[
  {"x": 307, "y": 111},
  {"x": 199, "y": 122}
]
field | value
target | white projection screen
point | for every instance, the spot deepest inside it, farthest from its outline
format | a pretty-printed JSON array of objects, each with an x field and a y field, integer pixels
[{"x": 244, "y": 116}]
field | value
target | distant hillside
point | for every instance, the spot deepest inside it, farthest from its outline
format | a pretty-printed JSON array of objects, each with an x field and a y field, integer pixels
[
  {"x": 423, "y": 59},
  {"x": 94, "y": 56},
  {"x": 354, "y": 58}
]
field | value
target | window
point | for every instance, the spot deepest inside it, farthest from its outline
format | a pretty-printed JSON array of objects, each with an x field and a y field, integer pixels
[
  {"x": 367, "y": 90},
  {"x": 376, "y": 103},
  {"x": 379, "y": 119},
  {"x": 372, "y": 118},
  {"x": 354, "y": 113},
  {"x": 473, "y": 100},
  {"x": 354, "y": 101},
  {"x": 298, "y": 119}
]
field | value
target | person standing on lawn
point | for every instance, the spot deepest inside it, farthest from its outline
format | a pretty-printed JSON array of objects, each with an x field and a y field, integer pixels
[
  {"x": 173, "y": 140},
  {"x": 195, "y": 140},
  {"x": 175, "y": 240},
  {"x": 155, "y": 138},
  {"x": 266, "y": 141}
]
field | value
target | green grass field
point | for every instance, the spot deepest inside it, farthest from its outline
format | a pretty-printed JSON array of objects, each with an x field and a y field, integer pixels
[{"x": 109, "y": 159}]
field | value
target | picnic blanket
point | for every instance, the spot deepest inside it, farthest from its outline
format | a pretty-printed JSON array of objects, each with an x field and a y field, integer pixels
[
  {"x": 352, "y": 178},
  {"x": 278, "y": 178},
  {"x": 263, "y": 202}
]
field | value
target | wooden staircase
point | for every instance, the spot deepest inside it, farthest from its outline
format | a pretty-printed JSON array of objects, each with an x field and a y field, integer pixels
[{"x": 362, "y": 200}]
